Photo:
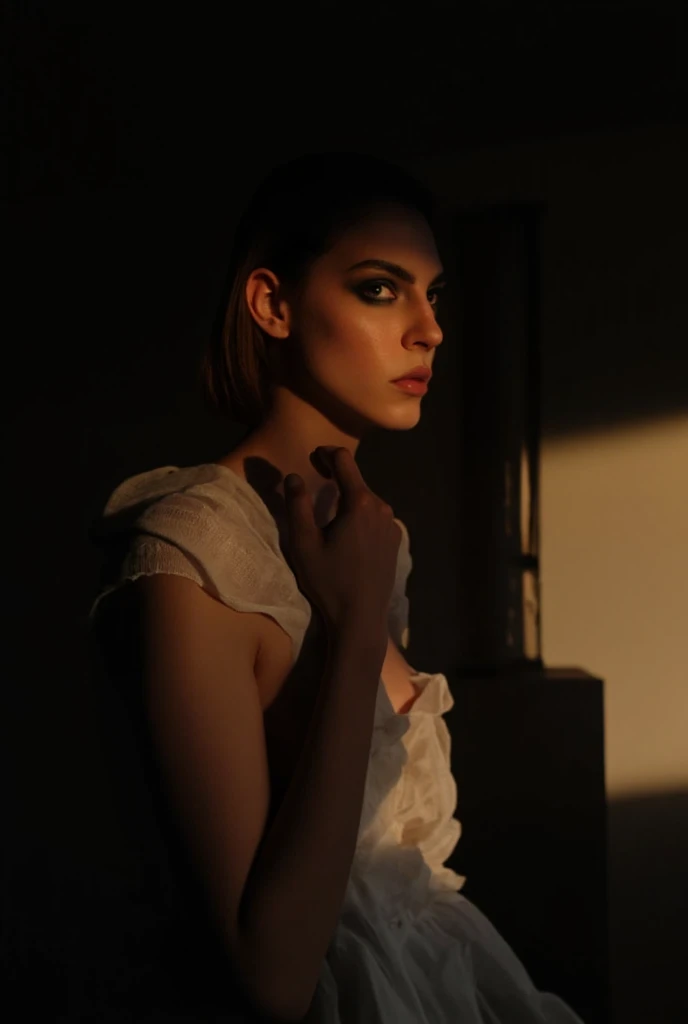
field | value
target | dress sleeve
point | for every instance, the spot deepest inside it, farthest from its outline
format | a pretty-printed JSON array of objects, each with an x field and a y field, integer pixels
[
  {"x": 398, "y": 614},
  {"x": 146, "y": 556},
  {"x": 186, "y": 534}
]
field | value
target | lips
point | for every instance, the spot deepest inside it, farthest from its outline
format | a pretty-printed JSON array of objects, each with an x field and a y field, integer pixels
[{"x": 418, "y": 373}]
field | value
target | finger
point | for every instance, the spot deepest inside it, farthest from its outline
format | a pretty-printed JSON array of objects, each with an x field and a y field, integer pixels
[
  {"x": 299, "y": 505},
  {"x": 346, "y": 473},
  {"x": 320, "y": 460}
]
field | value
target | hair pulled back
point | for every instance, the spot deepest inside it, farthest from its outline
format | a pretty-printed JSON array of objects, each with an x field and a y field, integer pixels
[{"x": 295, "y": 215}]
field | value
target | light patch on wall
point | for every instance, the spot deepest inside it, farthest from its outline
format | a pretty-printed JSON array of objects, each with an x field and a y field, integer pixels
[{"x": 614, "y": 573}]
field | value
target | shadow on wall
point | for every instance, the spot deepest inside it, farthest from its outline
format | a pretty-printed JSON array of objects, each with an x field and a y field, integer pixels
[{"x": 648, "y": 841}]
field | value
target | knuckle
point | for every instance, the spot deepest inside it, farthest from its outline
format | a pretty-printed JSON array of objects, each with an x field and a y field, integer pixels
[{"x": 364, "y": 498}]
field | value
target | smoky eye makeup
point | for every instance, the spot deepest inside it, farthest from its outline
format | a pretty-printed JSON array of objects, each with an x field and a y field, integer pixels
[
  {"x": 370, "y": 291},
  {"x": 375, "y": 291}
]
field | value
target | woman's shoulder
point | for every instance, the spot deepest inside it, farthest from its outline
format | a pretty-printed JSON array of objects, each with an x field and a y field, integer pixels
[
  {"x": 183, "y": 498},
  {"x": 201, "y": 522}
]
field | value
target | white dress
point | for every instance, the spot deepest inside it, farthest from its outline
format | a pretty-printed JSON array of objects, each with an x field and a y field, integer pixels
[{"x": 408, "y": 948}]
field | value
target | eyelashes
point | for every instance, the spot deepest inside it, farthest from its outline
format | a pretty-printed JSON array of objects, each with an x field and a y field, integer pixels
[{"x": 363, "y": 290}]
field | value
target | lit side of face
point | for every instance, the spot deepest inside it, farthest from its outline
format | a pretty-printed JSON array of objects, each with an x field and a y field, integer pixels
[{"x": 353, "y": 331}]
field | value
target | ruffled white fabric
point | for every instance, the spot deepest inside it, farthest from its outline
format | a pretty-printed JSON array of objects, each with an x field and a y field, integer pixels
[{"x": 408, "y": 946}]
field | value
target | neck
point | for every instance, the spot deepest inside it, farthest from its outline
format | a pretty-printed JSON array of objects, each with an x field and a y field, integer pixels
[{"x": 282, "y": 444}]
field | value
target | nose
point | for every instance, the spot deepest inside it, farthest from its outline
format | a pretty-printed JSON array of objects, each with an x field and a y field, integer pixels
[{"x": 426, "y": 330}]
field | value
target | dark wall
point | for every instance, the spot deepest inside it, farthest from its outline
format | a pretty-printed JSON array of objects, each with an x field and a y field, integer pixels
[{"x": 132, "y": 147}]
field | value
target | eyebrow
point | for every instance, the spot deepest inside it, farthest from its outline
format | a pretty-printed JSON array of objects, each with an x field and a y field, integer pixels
[{"x": 394, "y": 268}]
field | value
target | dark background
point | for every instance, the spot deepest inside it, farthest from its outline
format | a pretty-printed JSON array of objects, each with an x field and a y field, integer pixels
[{"x": 134, "y": 137}]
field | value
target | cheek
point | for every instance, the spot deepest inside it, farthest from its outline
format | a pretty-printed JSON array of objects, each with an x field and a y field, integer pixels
[{"x": 348, "y": 333}]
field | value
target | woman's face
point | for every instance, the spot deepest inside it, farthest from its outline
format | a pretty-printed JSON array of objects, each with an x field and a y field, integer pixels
[{"x": 353, "y": 330}]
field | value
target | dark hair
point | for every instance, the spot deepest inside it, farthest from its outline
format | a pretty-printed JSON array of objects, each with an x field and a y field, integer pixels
[{"x": 294, "y": 216}]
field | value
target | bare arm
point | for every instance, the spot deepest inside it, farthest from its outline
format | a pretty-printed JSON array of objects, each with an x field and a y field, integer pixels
[
  {"x": 296, "y": 889},
  {"x": 277, "y": 889}
]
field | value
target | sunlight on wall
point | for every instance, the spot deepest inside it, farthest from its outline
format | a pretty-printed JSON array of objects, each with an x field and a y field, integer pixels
[{"x": 614, "y": 507}]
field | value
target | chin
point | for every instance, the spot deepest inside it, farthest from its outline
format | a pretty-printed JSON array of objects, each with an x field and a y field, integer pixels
[
  {"x": 357, "y": 418},
  {"x": 404, "y": 418}
]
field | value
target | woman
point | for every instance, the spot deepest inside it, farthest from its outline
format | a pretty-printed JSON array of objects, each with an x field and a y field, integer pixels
[{"x": 306, "y": 763}]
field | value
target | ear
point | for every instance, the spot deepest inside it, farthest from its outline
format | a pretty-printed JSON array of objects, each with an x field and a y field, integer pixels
[{"x": 269, "y": 311}]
